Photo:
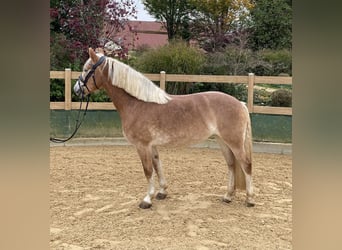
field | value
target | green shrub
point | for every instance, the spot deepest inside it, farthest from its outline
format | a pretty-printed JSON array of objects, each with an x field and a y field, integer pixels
[
  {"x": 56, "y": 90},
  {"x": 175, "y": 58},
  {"x": 237, "y": 90},
  {"x": 230, "y": 61},
  {"x": 273, "y": 63},
  {"x": 281, "y": 98},
  {"x": 262, "y": 97}
]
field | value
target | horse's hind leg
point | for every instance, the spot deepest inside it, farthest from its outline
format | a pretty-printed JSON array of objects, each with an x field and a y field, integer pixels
[
  {"x": 240, "y": 167},
  {"x": 230, "y": 160},
  {"x": 159, "y": 170},
  {"x": 246, "y": 165},
  {"x": 145, "y": 154}
]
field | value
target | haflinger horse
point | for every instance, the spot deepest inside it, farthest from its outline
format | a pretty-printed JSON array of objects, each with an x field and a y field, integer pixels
[{"x": 150, "y": 117}]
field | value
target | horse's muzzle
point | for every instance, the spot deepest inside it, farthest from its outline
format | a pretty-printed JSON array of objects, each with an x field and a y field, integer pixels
[{"x": 78, "y": 89}]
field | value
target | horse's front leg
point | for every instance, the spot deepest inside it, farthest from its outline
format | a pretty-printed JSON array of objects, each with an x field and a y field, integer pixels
[
  {"x": 145, "y": 155},
  {"x": 161, "y": 195}
]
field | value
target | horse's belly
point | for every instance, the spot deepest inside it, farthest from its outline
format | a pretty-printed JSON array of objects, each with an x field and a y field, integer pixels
[
  {"x": 175, "y": 132},
  {"x": 181, "y": 138}
]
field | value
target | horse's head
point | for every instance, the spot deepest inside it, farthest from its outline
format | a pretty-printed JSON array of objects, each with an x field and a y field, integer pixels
[{"x": 91, "y": 77}]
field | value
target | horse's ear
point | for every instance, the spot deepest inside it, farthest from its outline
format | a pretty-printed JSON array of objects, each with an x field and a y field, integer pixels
[{"x": 93, "y": 55}]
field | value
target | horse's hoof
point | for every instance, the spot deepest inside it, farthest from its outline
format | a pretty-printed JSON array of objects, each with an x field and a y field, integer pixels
[
  {"x": 161, "y": 196},
  {"x": 145, "y": 205},
  {"x": 250, "y": 203},
  {"x": 226, "y": 200}
]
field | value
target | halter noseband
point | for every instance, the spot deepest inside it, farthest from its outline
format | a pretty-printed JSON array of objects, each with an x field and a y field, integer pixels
[{"x": 91, "y": 73}]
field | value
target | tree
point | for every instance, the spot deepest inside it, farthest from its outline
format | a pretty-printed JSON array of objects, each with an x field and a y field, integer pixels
[
  {"x": 76, "y": 25},
  {"x": 271, "y": 25},
  {"x": 174, "y": 15},
  {"x": 213, "y": 22}
]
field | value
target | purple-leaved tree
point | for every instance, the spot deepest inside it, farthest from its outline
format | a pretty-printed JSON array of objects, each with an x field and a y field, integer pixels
[{"x": 76, "y": 25}]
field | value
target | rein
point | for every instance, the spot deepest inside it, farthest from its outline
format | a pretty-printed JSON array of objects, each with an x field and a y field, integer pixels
[
  {"x": 79, "y": 120},
  {"x": 77, "y": 125}
]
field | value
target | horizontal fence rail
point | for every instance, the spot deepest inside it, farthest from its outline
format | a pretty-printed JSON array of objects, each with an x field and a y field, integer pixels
[{"x": 251, "y": 80}]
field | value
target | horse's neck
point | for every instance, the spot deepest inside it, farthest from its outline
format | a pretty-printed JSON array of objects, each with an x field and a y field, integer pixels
[{"x": 121, "y": 99}]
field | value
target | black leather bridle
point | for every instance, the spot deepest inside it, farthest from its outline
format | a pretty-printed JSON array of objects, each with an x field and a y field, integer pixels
[{"x": 91, "y": 73}]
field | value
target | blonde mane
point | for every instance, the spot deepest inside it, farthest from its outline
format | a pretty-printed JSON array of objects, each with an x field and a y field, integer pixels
[{"x": 134, "y": 83}]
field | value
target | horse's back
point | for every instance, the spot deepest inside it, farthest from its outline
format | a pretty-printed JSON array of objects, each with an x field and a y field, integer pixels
[
  {"x": 213, "y": 97},
  {"x": 218, "y": 103}
]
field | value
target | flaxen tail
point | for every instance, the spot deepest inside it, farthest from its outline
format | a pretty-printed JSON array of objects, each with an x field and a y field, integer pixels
[
  {"x": 249, "y": 142},
  {"x": 240, "y": 181}
]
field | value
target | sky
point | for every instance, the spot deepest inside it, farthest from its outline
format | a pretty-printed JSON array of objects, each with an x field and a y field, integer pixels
[{"x": 142, "y": 14}]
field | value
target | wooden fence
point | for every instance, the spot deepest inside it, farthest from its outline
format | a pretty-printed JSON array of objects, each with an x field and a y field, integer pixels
[{"x": 251, "y": 80}]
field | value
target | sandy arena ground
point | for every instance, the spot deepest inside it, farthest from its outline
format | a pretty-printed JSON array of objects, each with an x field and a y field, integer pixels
[{"x": 95, "y": 192}]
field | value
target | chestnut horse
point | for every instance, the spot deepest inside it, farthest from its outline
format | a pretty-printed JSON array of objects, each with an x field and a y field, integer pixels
[{"x": 150, "y": 117}]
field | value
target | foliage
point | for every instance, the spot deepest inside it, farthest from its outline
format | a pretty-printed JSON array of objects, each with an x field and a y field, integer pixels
[
  {"x": 233, "y": 60},
  {"x": 237, "y": 90},
  {"x": 178, "y": 58},
  {"x": 262, "y": 97},
  {"x": 77, "y": 25},
  {"x": 56, "y": 90},
  {"x": 271, "y": 25},
  {"x": 174, "y": 15},
  {"x": 230, "y": 61},
  {"x": 281, "y": 98},
  {"x": 273, "y": 63},
  {"x": 214, "y": 22},
  {"x": 175, "y": 58}
]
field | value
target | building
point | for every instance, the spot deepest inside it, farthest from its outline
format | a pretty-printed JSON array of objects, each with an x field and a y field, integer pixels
[{"x": 138, "y": 34}]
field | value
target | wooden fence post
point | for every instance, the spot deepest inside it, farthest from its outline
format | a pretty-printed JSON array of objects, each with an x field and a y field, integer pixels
[
  {"x": 162, "y": 80},
  {"x": 250, "y": 98},
  {"x": 67, "y": 90}
]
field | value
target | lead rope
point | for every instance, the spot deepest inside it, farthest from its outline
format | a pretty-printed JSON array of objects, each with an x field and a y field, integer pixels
[{"x": 77, "y": 125}]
